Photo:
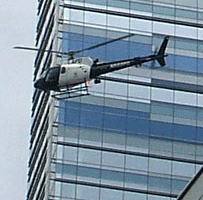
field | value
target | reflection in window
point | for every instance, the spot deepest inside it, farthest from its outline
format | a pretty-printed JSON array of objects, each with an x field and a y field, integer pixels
[{"x": 87, "y": 192}]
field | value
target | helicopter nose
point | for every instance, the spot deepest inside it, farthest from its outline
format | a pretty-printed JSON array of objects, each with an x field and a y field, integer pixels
[{"x": 39, "y": 84}]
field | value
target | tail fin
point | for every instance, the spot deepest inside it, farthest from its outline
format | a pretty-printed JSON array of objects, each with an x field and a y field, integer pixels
[{"x": 161, "y": 53}]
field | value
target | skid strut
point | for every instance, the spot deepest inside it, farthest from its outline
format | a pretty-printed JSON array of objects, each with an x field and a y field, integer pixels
[{"x": 72, "y": 93}]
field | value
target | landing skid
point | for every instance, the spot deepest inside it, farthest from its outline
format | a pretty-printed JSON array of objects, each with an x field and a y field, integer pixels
[{"x": 72, "y": 93}]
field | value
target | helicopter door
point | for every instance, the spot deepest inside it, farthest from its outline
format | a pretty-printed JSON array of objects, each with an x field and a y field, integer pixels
[{"x": 52, "y": 77}]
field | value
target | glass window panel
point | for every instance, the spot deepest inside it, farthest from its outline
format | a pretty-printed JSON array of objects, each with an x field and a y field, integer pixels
[
  {"x": 103, "y": 2},
  {"x": 154, "y": 197},
  {"x": 136, "y": 181},
  {"x": 163, "y": 28},
  {"x": 184, "y": 150},
  {"x": 72, "y": 116},
  {"x": 137, "y": 143},
  {"x": 185, "y": 98},
  {"x": 136, "y": 163},
  {"x": 116, "y": 88},
  {"x": 161, "y": 128},
  {"x": 87, "y": 192},
  {"x": 59, "y": 152},
  {"x": 162, "y": 95},
  {"x": 137, "y": 125},
  {"x": 188, "y": 3},
  {"x": 70, "y": 153},
  {"x": 118, "y": 3},
  {"x": 88, "y": 174},
  {"x": 161, "y": 146},
  {"x": 138, "y": 91},
  {"x": 160, "y": 184},
  {"x": 178, "y": 185},
  {"x": 140, "y": 6},
  {"x": 90, "y": 136},
  {"x": 164, "y": 10},
  {"x": 182, "y": 31},
  {"x": 186, "y": 63},
  {"x": 86, "y": 155},
  {"x": 134, "y": 196},
  {"x": 91, "y": 119},
  {"x": 200, "y": 3},
  {"x": 111, "y": 194},
  {"x": 166, "y": 1},
  {"x": 113, "y": 159},
  {"x": 115, "y": 122},
  {"x": 119, "y": 22},
  {"x": 112, "y": 177},
  {"x": 68, "y": 190},
  {"x": 159, "y": 166},
  {"x": 184, "y": 131},
  {"x": 69, "y": 171},
  {"x": 76, "y": 15},
  {"x": 183, "y": 169},
  {"x": 162, "y": 109},
  {"x": 185, "y": 112},
  {"x": 113, "y": 140},
  {"x": 186, "y": 14},
  {"x": 95, "y": 18},
  {"x": 141, "y": 25}
]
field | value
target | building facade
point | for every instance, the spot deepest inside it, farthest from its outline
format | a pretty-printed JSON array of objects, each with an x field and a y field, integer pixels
[{"x": 139, "y": 134}]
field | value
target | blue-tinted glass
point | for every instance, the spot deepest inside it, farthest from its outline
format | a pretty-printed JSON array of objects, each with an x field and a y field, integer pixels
[
  {"x": 199, "y": 134},
  {"x": 200, "y": 67},
  {"x": 112, "y": 175},
  {"x": 75, "y": 45},
  {"x": 139, "y": 49},
  {"x": 178, "y": 185},
  {"x": 161, "y": 128},
  {"x": 62, "y": 115},
  {"x": 159, "y": 183},
  {"x": 115, "y": 110},
  {"x": 91, "y": 107},
  {"x": 93, "y": 40},
  {"x": 115, "y": 122},
  {"x": 140, "y": 114},
  {"x": 89, "y": 172},
  {"x": 72, "y": 116},
  {"x": 184, "y": 132},
  {"x": 170, "y": 61},
  {"x": 136, "y": 179},
  {"x": 91, "y": 119},
  {"x": 186, "y": 63},
  {"x": 136, "y": 125},
  {"x": 72, "y": 104},
  {"x": 75, "y": 36},
  {"x": 69, "y": 169},
  {"x": 114, "y": 53}
]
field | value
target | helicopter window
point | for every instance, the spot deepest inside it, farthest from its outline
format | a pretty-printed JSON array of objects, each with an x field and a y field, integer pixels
[
  {"x": 63, "y": 70},
  {"x": 52, "y": 74}
]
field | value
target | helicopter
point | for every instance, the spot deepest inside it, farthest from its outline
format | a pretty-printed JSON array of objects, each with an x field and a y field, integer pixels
[{"x": 81, "y": 70}]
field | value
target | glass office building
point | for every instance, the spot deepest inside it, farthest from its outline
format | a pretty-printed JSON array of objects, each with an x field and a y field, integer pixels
[{"x": 139, "y": 134}]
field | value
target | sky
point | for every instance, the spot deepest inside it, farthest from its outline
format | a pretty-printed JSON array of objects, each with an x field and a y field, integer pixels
[{"x": 17, "y": 27}]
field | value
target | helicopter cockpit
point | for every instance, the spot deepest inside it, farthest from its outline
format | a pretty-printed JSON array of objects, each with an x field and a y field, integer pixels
[{"x": 48, "y": 79}]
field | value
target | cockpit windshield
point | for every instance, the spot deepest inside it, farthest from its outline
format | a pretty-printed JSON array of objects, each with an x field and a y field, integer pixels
[
  {"x": 43, "y": 74},
  {"x": 52, "y": 74}
]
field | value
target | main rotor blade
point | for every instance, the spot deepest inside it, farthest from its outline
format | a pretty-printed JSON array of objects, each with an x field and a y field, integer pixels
[
  {"x": 104, "y": 43},
  {"x": 37, "y": 49}
]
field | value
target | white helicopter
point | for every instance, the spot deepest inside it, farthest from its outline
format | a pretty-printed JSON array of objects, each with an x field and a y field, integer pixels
[{"x": 81, "y": 70}]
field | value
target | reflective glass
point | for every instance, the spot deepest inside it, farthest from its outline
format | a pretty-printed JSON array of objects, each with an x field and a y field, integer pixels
[
  {"x": 68, "y": 190},
  {"x": 136, "y": 163},
  {"x": 113, "y": 159},
  {"x": 134, "y": 196},
  {"x": 111, "y": 194},
  {"x": 70, "y": 153},
  {"x": 86, "y": 155},
  {"x": 88, "y": 174},
  {"x": 87, "y": 192}
]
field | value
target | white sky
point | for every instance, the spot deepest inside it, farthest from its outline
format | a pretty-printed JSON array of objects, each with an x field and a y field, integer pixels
[{"x": 17, "y": 27}]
